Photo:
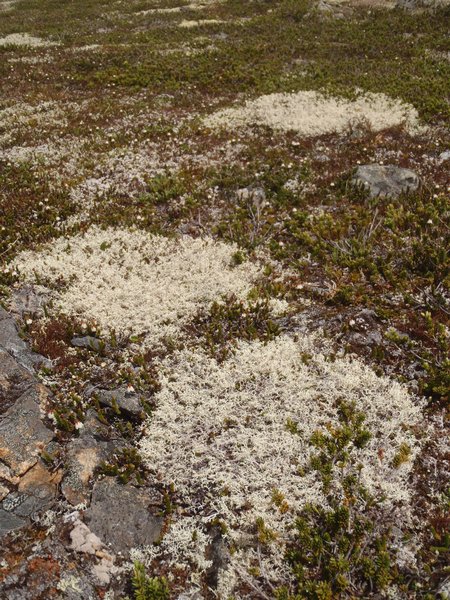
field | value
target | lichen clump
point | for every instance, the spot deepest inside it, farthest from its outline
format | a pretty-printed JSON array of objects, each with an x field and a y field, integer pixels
[
  {"x": 137, "y": 283},
  {"x": 246, "y": 439}
]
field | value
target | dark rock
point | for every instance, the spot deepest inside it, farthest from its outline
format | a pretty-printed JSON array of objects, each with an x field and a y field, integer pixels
[
  {"x": 14, "y": 380},
  {"x": 113, "y": 504},
  {"x": 218, "y": 553},
  {"x": 387, "y": 180},
  {"x": 87, "y": 341},
  {"x": 126, "y": 401},
  {"x": 29, "y": 300},
  {"x": 9, "y": 522},
  {"x": 11, "y": 342},
  {"x": 83, "y": 456},
  {"x": 257, "y": 195},
  {"x": 22, "y": 433}
]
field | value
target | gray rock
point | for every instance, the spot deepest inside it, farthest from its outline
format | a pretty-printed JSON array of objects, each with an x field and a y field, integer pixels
[
  {"x": 87, "y": 341},
  {"x": 255, "y": 194},
  {"x": 9, "y": 522},
  {"x": 11, "y": 342},
  {"x": 22, "y": 433},
  {"x": 381, "y": 180},
  {"x": 218, "y": 553},
  {"x": 120, "y": 516},
  {"x": 29, "y": 300},
  {"x": 14, "y": 380},
  {"x": 126, "y": 401}
]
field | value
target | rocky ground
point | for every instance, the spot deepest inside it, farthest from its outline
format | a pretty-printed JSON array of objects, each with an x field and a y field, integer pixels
[{"x": 224, "y": 299}]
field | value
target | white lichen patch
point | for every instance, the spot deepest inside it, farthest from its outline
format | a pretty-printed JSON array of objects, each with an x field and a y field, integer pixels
[
  {"x": 186, "y": 542},
  {"x": 190, "y": 24},
  {"x": 311, "y": 113},
  {"x": 7, "y": 5},
  {"x": 28, "y": 116},
  {"x": 219, "y": 434},
  {"x": 33, "y": 60},
  {"x": 25, "y": 39},
  {"x": 134, "y": 282}
]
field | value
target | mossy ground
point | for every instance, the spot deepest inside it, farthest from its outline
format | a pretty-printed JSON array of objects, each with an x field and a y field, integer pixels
[{"x": 126, "y": 80}]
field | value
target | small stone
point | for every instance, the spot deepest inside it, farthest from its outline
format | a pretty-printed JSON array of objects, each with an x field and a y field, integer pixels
[
  {"x": 126, "y": 401},
  {"x": 86, "y": 341},
  {"x": 256, "y": 194},
  {"x": 112, "y": 503},
  {"x": 386, "y": 180},
  {"x": 9, "y": 522}
]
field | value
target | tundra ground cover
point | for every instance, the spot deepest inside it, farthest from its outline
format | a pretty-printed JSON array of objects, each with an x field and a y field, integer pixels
[{"x": 175, "y": 181}]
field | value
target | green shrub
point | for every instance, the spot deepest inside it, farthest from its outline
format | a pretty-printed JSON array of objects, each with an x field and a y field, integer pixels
[{"x": 148, "y": 588}]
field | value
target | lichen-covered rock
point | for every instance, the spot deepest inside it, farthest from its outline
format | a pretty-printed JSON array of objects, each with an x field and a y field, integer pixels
[
  {"x": 23, "y": 435},
  {"x": 9, "y": 522},
  {"x": 83, "y": 456},
  {"x": 39, "y": 488},
  {"x": 11, "y": 342},
  {"x": 385, "y": 180},
  {"x": 14, "y": 380},
  {"x": 122, "y": 399},
  {"x": 113, "y": 503}
]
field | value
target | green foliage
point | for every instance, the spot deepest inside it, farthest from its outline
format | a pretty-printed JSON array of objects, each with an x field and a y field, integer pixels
[
  {"x": 339, "y": 551},
  {"x": 231, "y": 320},
  {"x": 148, "y": 588},
  {"x": 403, "y": 455},
  {"x": 264, "y": 534},
  {"x": 335, "y": 446},
  {"x": 127, "y": 464}
]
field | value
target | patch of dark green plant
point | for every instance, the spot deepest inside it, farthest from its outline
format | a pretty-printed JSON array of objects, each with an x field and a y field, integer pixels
[
  {"x": 31, "y": 211},
  {"x": 231, "y": 320},
  {"x": 341, "y": 551},
  {"x": 126, "y": 465},
  {"x": 146, "y": 587},
  {"x": 335, "y": 445}
]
